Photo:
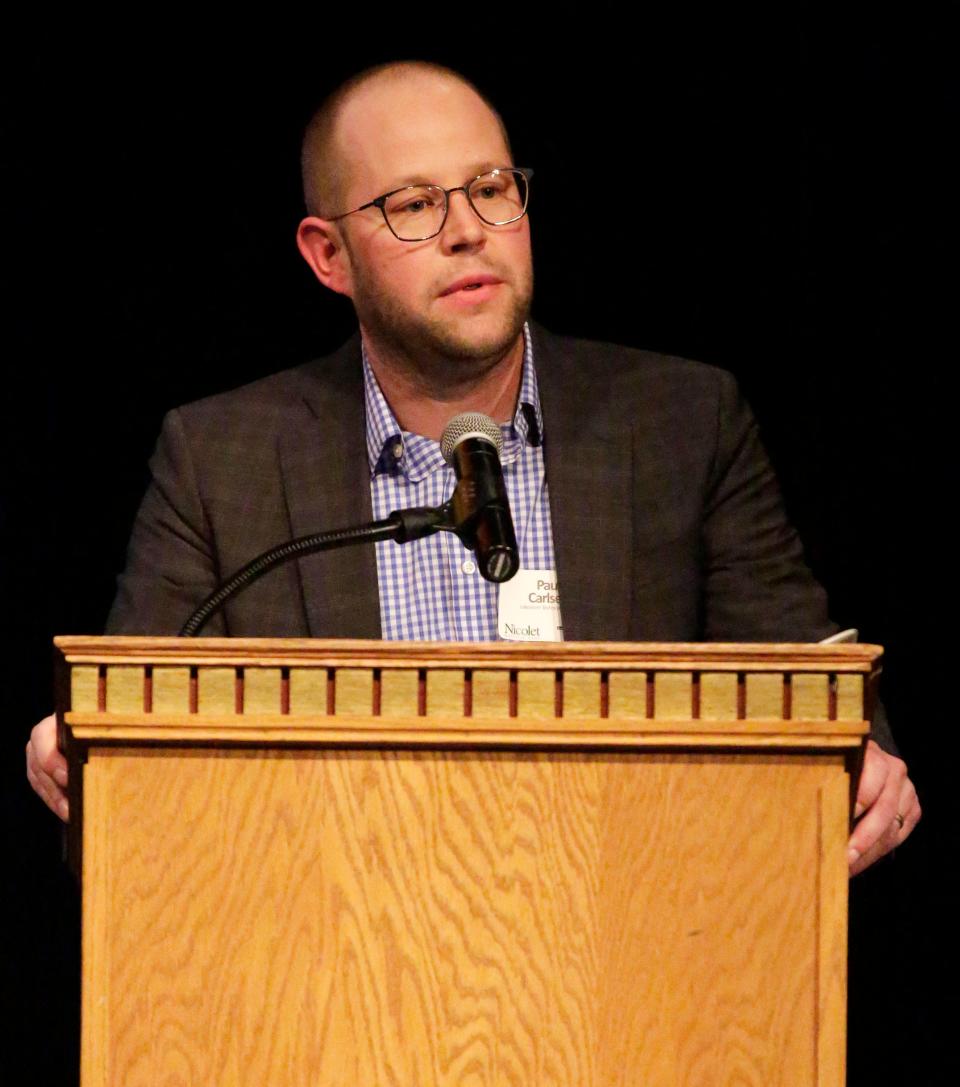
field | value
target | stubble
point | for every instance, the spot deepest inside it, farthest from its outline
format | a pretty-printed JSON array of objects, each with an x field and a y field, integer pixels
[{"x": 443, "y": 355}]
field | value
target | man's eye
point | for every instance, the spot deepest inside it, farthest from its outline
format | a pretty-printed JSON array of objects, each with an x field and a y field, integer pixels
[
  {"x": 488, "y": 192},
  {"x": 415, "y": 205}
]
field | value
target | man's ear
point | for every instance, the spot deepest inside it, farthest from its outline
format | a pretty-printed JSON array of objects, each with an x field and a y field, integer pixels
[{"x": 321, "y": 246}]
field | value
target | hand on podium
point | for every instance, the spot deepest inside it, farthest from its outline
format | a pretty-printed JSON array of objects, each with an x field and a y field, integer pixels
[
  {"x": 887, "y": 808},
  {"x": 47, "y": 768}
]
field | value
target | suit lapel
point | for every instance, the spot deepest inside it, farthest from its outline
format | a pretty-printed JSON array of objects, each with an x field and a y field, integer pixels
[
  {"x": 327, "y": 486},
  {"x": 589, "y": 480}
]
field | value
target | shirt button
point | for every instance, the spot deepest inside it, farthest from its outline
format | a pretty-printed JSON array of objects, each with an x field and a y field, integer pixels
[
  {"x": 468, "y": 567},
  {"x": 397, "y": 451}
]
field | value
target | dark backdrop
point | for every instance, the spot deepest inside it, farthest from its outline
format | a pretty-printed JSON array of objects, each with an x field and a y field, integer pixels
[{"x": 776, "y": 198}]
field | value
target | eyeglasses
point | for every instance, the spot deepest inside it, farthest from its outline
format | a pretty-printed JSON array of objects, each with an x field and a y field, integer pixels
[{"x": 418, "y": 212}]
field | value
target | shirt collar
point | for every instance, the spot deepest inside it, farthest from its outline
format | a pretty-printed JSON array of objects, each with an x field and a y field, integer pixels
[{"x": 389, "y": 449}]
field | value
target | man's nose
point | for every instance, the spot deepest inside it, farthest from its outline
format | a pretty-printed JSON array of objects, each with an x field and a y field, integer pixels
[{"x": 463, "y": 227}]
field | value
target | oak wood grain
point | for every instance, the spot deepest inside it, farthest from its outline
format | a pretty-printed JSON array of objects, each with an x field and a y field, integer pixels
[
  {"x": 483, "y": 918},
  {"x": 832, "y": 819}
]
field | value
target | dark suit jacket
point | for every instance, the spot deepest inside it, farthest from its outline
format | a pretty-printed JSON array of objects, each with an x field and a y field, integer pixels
[{"x": 666, "y": 514}]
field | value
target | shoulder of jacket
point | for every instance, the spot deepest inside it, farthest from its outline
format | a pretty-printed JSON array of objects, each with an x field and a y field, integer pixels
[{"x": 621, "y": 369}]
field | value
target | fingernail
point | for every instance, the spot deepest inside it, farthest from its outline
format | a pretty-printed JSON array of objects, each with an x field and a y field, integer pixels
[
  {"x": 858, "y": 811},
  {"x": 63, "y": 809},
  {"x": 60, "y": 776},
  {"x": 853, "y": 855}
]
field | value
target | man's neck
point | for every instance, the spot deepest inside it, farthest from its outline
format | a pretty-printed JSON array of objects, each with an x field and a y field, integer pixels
[{"x": 424, "y": 403}]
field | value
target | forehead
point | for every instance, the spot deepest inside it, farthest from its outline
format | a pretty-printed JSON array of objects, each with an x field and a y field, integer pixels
[{"x": 416, "y": 126}]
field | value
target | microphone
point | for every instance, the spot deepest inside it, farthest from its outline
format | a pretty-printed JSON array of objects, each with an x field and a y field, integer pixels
[{"x": 472, "y": 444}]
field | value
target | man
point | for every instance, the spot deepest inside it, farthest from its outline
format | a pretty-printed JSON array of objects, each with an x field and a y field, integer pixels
[{"x": 662, "y": 519}]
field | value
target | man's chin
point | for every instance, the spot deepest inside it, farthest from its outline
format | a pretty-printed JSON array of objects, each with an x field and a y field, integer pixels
[
  {"x": 429, "y": 343},
  {"x": 477, "y": 337},
  {"x": 475, "y": 348}
]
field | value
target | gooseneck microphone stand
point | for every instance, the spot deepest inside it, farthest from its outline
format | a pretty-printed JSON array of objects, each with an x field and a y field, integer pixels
[{"x": 401, "y": 526}]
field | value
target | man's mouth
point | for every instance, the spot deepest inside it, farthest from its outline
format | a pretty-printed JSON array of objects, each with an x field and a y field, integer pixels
[{"x": 470, "y": 283}]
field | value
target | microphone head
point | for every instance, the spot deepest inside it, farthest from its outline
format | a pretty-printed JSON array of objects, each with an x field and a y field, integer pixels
[{"x": 469, "y": 424}]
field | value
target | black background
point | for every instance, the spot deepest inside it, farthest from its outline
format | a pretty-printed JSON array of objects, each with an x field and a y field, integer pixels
[{"x": 777, "y": 197}]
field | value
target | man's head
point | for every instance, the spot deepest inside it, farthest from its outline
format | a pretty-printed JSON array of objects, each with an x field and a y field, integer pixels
[{"x": 403, "y": 124}]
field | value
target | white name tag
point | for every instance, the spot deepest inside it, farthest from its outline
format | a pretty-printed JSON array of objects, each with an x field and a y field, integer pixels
[{"x": 529, "y": 609}]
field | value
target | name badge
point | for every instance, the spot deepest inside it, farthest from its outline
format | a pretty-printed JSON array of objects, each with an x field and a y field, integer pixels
[{"x": 529, "y": 608}]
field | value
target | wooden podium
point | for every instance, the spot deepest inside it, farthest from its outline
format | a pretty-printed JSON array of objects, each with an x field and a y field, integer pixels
[{"x": 383, "y": 864}]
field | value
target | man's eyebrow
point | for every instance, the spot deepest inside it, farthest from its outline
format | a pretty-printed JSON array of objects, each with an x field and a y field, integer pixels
[
  {"x": 413, "y": 179},
  {"x": 471, "y": 172}
]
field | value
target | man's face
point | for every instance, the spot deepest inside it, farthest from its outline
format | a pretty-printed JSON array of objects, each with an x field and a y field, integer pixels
[{"x": 426, "y": 129}]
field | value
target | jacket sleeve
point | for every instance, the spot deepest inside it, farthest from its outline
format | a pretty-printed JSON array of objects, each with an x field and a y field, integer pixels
[{"x": 757, "y": 586}]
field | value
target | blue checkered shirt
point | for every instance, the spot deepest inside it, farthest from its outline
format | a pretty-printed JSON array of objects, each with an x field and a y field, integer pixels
[{"x": 431, "y": 589}]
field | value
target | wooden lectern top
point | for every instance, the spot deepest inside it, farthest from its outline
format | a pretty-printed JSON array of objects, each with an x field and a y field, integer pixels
[{"x": 292, "y": 690}]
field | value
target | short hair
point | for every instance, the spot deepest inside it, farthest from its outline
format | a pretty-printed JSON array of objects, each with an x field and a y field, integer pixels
[{"x": 321, "y": 166}]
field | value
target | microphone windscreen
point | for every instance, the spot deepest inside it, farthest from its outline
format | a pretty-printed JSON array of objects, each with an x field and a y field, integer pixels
[{"x": 469, "y": 424}]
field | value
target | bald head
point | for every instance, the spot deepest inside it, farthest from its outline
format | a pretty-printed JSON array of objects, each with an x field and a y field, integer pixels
[{"x": 327, "y": 147}]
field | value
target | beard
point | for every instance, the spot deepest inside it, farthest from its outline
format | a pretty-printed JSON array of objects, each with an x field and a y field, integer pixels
[{"x": 443, "y": 352}]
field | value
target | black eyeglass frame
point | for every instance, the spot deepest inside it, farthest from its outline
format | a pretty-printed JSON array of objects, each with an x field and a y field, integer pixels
[{"x": 380, "y": 202}]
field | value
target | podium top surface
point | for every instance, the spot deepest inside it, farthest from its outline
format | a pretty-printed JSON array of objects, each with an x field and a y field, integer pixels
[{"x": 360, "y": 653}]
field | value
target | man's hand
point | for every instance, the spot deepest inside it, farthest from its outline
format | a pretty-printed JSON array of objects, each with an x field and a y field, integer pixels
[
  {"x": 886, "y": 811},
  {"x": 47, "y": 768}
]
